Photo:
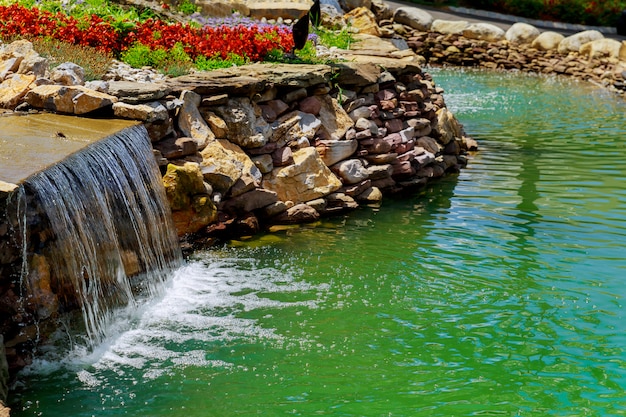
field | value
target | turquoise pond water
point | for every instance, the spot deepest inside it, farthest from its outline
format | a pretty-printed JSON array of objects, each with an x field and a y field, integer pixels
[{"x": 497, "y": 292}]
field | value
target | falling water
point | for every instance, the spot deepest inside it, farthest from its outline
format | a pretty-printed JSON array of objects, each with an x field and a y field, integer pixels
[{"x": 97, "y": 231}]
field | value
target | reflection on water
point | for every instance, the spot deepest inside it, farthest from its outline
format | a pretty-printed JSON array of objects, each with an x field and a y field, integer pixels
[{"x": 497, "y": 292}]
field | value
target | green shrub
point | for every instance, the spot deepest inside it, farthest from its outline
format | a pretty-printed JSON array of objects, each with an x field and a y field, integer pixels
[{"x": 204, "y": 63}]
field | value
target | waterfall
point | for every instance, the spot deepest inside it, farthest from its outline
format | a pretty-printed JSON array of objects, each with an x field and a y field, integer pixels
[{"x": 97, "y": 231}]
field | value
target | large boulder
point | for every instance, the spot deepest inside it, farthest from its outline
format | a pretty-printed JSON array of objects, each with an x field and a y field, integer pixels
[
  {"x": 413, "y": 17},
  {"x": 447, "y": 126},
  {"x": 192, "y": 208},
  {"x": 246, "y": 126},
  {"x": 306, "y": 179},
  {"x": 521, "y": 33},
  {"x": 484, "y": 31},
  {"x": 228, "y": 168},
  {"x": 68, "y": 99},
  {"x": 449, "y": 27},
  {"x": 295, "y": 126},
  {"x": 335, "y": 120},
  {"x": 14, "y": 89},
  {"x": 363, "y": 20},
  {"x": 333, "y": 151},
  {"x": 351, "y": 171},
  {"x": 574, "y": 42},
  {"x": 191, "y": 122},
  {"x": 547, "y": 41},
  {"x": 601, "y": 48}
]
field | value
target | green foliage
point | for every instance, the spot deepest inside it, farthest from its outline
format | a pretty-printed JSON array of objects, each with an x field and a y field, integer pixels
[
  {"x": 187, "y": 7},
  {"x": 341, "y": 39},
  {"x": 204, "y": 63},
  {"x": 94, "y": 62},
  {"x": 173, "y": 62}
]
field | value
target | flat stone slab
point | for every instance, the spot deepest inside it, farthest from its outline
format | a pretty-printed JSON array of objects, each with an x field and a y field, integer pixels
[
  {"x": 250, "y": 79},
  {"x": 30, "y": 143}
]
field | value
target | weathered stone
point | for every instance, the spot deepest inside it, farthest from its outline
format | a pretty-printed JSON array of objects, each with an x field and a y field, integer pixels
[
  {"x": 224, "y": 163},
  {"x": 282, "y": 157},
  {"x": 333, "y": 151},
  {"x": 148, "y": 112},
  {"x": 307, "y": 179},
  {"x": 68, "y": 99},
  {"x": 449, "y": 27},
  {"x": 335, "y": 121},
  {"x": 264, "y": 163},
  {"x": 372, "y": 195},
  {"x": 421, "y": 126},
  {"x": 574, "y": 42},
  {"x": 33, "y": 64},
  {"x": 601, "y": 48},
  {"x": 68, "y": 73},
  {"x": 381, "y": 159},
  {"x": 217, "y": 125},
  {"x": 273, "y": 209},
  {"x": 362, "y": 112},
  {"x": 424, "y": 158},
  {"x": 160, "y": 130},
  {"x": 14, "y": 89},
  {"x": 429, "y": 144},
  {"x": 9, "y": 65},
  {"x": 182, "y": 183},
  {"x": 376, "y": 146},
  {"x": 295, "y": 95},
  {"x": 250, "y": 201},
  {"x": 447, "y": 127},
  {"x": 363, "y": 20},
  {"x": 484, "y": 31},
  {"x": 547, "y": 41},
  {"x": 300, "y": 213},
  {"x": 378, "y": 172},
  {"x": 191, "y": 122},
  {"x": 293, "y": 126},
  {"x": 246, "y": 126},
  {"x": 351, "y": 171},
  {"x": 357, "y": 74},
  {"x": 413, "y": 17},
  {"x": 310, "y": 105},
  {"x": 198, "y": 215},
  {"x": 339, "y": 200},
  {"x": 174, "y": 148},
  {"x": 356, "y": 189},
  {"x": 278, "y": 106},
  {"x": 133, "y": 92},
  {"x": 521, "y": 34}
]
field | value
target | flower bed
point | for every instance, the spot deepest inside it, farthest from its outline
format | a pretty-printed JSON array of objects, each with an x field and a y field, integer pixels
[{"x": 250, "y": 40}]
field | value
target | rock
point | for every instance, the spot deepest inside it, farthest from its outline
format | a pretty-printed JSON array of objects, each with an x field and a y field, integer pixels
[
  {"x": 547, "y": 41},
  {"x": 334, "y": 119},
  {"x": 310, "y": 105},
  {"x": 363, "y": 20},
  {"x": 225, "y": 163},
  {"x": 282, "y": 157},
  {"x": 429, "y": 144},
  {"x": 382, "y": 10},
  {"x": 250, "y": 201},
  {"x": 351, "y": 171},
  {"x": 447, "y": 127},
  {"x": 521, "y": 34},
  {"x": 134, "y": 92},
  {"x": 159, "y": 130},
  {"x": 198, "y": 215},
  {"x": 149, "y": 112},
  {"x": 372, "y": 195},
  {"x": 68, "y": 73},
  {"x": 191, "y": 122},
  {"x": 379, "y": 172},
  {"x": 246, "y": 126},
  {"x": 333, "y": 151},
  {"x": 8, "y": 66},
  {"x": 339, "y": 201},
  {"x": 353, "y": 4},
  {"x": 68, "y": 99},
  {"x": 14, "y": 89},
  {"x": 293, "y": 126},
  {"x": 264, "y": 163},
  {"x": 182, "y": 183},
  {"x": 601, "y": 48},
  {"x": 217, "y": 125},
  {"x": 192, "y": 208},
  {"x": 574, "y": 42},
  {"x": 307, "y": 179},
  {"x": 300, "y": 213},
  {"x": 276, "y": 9},
  {"x": 622, "y": 56},
  {"x": 449, "y": 27},
  {"x": 175, "y": 148},
  {"x": 413, "y": 17},
  {"x": 484, "y": 31}
]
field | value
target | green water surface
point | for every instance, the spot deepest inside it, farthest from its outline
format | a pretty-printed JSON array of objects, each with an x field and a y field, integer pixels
[{"x": 498, "y": 292}]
